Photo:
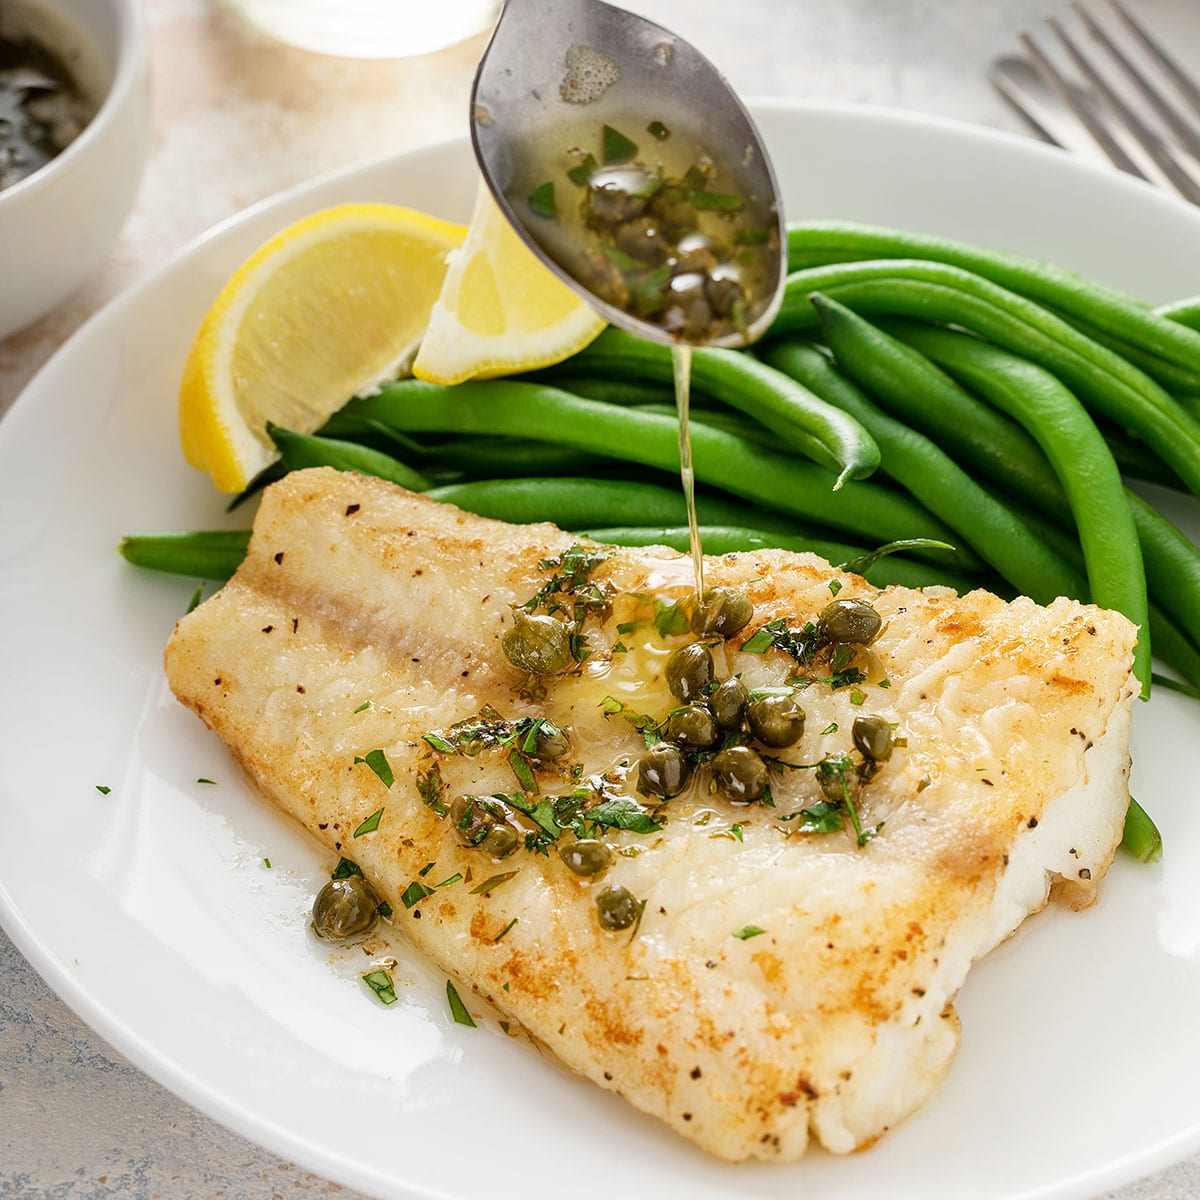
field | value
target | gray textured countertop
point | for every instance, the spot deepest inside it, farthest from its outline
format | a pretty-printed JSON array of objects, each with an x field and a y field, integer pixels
[{"x": 76, "y": 1120}]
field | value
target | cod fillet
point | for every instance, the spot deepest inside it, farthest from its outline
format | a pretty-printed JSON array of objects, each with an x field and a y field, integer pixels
[{"x": 779, "y": 982}]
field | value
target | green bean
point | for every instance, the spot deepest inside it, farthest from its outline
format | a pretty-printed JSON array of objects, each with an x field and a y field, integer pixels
[
  {"x": 493, "y": 457},
  {"x": 722, "y": 460},
  {"x": 1171, "y": 562},
  {"x": 299, "y": 450},
  {"x": 797, "y": 417},
  {"x": 1183, "y": 312},
  {"x": 915, "y": 391},
  {"x": 929, "y": 474},
  {"x": 719, "y": 418},
  {"x": 942, "y": 294},
  {"x": 609, "y": 390},
  {"x": 573, "y": 503},
  {"x": 730, "y": 539},
  {"x": 206, "y": 553},
  {"x": 1122, "y": 315},
  {"x": 1079, "y": 457}
]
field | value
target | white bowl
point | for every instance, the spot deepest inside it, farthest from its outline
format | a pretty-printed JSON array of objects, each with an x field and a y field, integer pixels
[{"x": 56, "y": 224}]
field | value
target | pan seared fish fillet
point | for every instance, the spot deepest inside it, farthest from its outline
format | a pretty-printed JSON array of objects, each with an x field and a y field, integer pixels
[{"x": 1008, "y": 784}]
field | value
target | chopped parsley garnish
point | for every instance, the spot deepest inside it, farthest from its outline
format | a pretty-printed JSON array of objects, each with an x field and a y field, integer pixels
[
  {"x": 432, "y": 789},
  {"x": 426, "y": 869},
  {"x": 835, "y": 586},
  {"x": 747, "y": 932},
  {"x": 857, "y": 697},
  {"x": 716, "y": 201},
  {"x": 103, "y": 789},
  {"x": 267, "y": 863},
  {"x": 377, "y": 761},
  {"x": 671, "y": 618},
  {"x": 505, "y": 929},
  {"x": 522, "y": 770},
  {"x": 822, "y": 817},
  {"x": 622, "y": 813},
  {"x": 458, "y": 1010},
  {"x": 384, "y": 909},
  {"x": 211, "y": 782},
  {"x": 617, "y": 147},
  {"x": 439, "y": 743},
  {"x": 455, "y": 878},
  {"x": 362, "y": 707},
  {"x": 345, "y": 868},
  {"x": 584, "y": 171},
  {"x": 830, "y": 728},
  {"x": 490, "y": 885},
  {"x": 415, "y": 893},
  {"x": 370, "y": 824},
  {"x": 380, "y": 982},
  {"x": 656, "y": 129},
  {"x": 541, "y": 201},
  {"x": 736, "y": 830},
  {"x": 801, "y": 644},
  {"x": 647, "y": 726}
]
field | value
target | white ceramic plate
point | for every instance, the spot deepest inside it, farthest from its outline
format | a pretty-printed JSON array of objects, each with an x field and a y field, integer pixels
[{"x": 151, "y": 912}]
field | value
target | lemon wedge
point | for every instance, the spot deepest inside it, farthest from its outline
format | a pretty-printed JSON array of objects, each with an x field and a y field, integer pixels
[
  {"x": 333, "y": 305},
  {"x": 501, "y": 309}
]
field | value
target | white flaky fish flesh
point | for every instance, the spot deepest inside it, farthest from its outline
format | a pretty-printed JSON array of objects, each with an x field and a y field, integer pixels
[{"x": 784, "y": 976}]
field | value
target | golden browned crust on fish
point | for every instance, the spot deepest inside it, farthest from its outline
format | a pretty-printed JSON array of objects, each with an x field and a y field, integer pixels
[{"x": 837, "y": 1017}]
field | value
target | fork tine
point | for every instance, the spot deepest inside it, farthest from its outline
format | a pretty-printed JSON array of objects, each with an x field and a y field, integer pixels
[
  {"x": 1182, "y": 130},
  {"x": 1184, "y": 82},
  {"x": 1146, "y": 138},
  {"x": 1050, "y": 73}
]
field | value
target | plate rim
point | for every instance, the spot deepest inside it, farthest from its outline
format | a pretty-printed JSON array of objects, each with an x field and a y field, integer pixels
[{"x": 245, "y": 1120}]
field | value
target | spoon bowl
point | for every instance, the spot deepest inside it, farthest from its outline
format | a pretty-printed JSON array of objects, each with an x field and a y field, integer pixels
[{"x": 555, "y": 74}]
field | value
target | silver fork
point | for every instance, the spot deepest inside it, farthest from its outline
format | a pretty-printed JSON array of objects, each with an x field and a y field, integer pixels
[{"x": 1115, "y": 95}]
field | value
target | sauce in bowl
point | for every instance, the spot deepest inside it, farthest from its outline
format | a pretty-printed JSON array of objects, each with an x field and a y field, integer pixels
[{"x": 43, "y": 107}]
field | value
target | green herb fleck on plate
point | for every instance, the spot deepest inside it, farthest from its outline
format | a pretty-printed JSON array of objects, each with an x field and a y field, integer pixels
[
  {"x": 458, "y": 1010},
  {"x": 380, "y": 982}
]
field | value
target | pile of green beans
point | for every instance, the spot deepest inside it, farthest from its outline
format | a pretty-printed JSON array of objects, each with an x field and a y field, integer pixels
[{"x": 986, "y": 406}]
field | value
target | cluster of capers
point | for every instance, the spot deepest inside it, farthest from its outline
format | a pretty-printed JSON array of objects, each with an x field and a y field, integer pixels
[
  {"x": 482, "y": 822},
  {"x": 344, "y": 908},
  {"x": 775, "y": 719},
  {"x": 654, "y": 225}
]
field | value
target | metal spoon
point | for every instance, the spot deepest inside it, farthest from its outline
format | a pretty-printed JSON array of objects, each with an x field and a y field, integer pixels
[{"x": 556, "y": 71}]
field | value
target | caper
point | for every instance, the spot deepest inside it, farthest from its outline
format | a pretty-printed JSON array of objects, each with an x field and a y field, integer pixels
[
  {"x": 550, "y": 741},
  {"x": 587, "y": 857},
  {"x": 693, "y": 727},
  {"x": 725, "y": 288},
  {"x": 617, "y": 908},
  {"x": 687, "y": 308},
  {"x": 689, "y": 671},
  {"x": 540, "y": 645},
  {"x": 728, "y": 703},
  {"x": 500, "y": 841},
  {"x": 344, "y": 908},
  {"x": 642, "y": 240},
  {"x": 873, "y": 738},
  {"x": 617, "y": 194},
  {"x": 832, "y": 772},
  {"x": 663, "y": 771},
  {"x": 722, "y": 611},
  {"x": 776, "y": 720},
  {"x": 482, "y": 821},
  {"x": 740, "y": 774},
  {"x": 851, "y": 621}
]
